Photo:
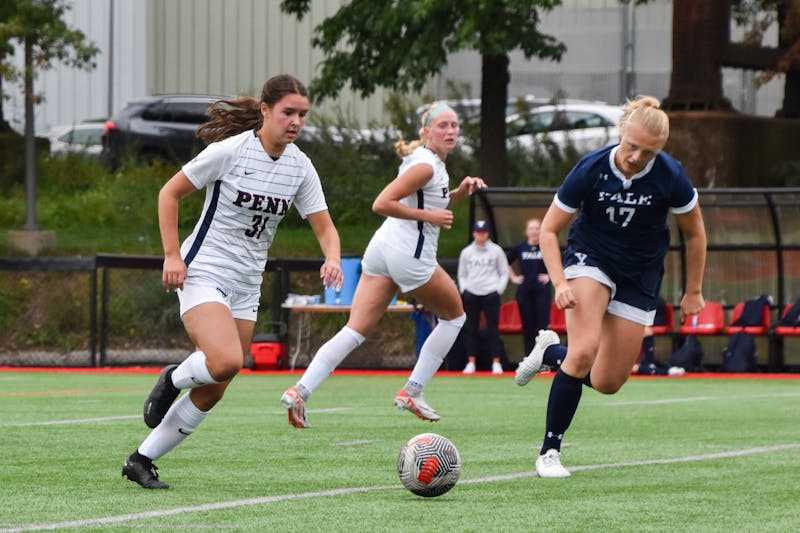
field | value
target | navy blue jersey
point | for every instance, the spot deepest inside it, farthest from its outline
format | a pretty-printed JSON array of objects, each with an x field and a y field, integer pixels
[
  {"x": 529, "y": 257},
  {"x": 623, "y": 222}
]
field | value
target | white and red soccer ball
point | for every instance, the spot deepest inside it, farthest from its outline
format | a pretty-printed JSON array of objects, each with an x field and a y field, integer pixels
[{"x": 429, "y": 465}]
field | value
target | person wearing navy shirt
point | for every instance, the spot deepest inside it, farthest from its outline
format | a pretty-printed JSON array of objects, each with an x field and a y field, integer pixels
[
  {"x": 534, "y": 292},
  {"x": 610, "y": 275}
]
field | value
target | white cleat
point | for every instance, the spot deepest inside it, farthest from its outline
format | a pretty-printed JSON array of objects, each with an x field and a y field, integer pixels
[
  {"x": 676, "y": 371},
  {"x": 497, "y": 368},
  {"x": 549, "y": 465},
  {"x": 470, "y": 368},
  {"x": 532, "y": 365},
  {"x": 416, "y": 405},
  {"x": 296, "y": 407}
]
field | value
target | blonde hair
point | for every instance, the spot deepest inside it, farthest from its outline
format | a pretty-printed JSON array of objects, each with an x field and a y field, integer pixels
[
  {"x": 646, "y": 111},
  {"x": 403, "y": 148}
]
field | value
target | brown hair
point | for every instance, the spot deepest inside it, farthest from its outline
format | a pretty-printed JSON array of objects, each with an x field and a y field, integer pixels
[
  {"x": 646, "y": 110},
  {"x": 403, "y": 148},
  {"x": 231, "y": 117}
]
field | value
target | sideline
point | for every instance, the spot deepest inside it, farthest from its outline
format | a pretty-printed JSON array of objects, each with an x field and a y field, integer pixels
[
  {"x": 387, "y": 372},
  {"x": 101, "y": 521}
]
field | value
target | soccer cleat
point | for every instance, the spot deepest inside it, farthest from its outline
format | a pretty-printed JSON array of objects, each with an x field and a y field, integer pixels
[
  {"x": 416, "y": 405},
  {"x": 532, "y": 365},
  {"x": 549, "y": 465},
  {"x": 143, "y": 472},
  {"x": 470, "y": 368},
  {"x": 296, "y": 406},
  {"x": 497, "y": 368},
  {"x": 676, "y": 371},
  {"x": 160, "y": 398}
]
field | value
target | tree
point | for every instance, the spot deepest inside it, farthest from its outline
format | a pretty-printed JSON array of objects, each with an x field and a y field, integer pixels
[
  {"x": 400, "y": 44},
  {"x": 701, "y": 47},
  {"x": 760, "y": 14},
  {"x": 39, "y": 27}
]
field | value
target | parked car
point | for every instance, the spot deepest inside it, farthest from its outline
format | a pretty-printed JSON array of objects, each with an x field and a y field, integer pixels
[
  {"x": 585, "y": 127},
  {"x": 469, "y": 109},
  {"x": 82, "y": 138},
  {"x": 157, "y": 127}
]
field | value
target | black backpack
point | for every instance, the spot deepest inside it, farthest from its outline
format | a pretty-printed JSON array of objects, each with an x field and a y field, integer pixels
[
  {"x": 791, "y": 318},
  {"x": 689, "y": 356},
  {"x": 752, "y": 311},
  {"x": 740, "y": 354}
]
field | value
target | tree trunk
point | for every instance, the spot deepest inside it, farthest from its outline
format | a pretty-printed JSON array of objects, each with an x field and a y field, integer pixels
[
  {"x": 700, "y": 33},
  {"x": 789, "y": 34},
  {"x": 494, "y": 94}
]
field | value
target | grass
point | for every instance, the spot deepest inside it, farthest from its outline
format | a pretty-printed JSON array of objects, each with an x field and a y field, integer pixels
[{"x": 671, "y": 454}]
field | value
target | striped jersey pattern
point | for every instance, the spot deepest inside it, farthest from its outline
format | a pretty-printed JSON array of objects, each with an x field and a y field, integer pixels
[{"x": 247, "y": 195}]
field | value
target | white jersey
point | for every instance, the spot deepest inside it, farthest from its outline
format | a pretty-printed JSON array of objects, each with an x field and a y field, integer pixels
[
  {"x": 247, "y": 195},
  {"x": 413, "y": 237},
  {"x": 483, "y": 269}
]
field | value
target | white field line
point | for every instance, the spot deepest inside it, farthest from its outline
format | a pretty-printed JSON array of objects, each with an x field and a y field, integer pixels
[
  {"x": 660, "y": 401},
  {"x": 694, "y": 399},
  {"x": 101, "y": 521},
  {"x": 72, "y": 421},
  {"x": 130, "y": 417}
]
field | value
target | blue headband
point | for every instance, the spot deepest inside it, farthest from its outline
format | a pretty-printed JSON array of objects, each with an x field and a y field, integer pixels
[{"x": 435, "y": 111}]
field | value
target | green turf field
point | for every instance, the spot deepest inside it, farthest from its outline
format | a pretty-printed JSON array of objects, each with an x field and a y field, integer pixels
[{"x": 669, "y": 454}]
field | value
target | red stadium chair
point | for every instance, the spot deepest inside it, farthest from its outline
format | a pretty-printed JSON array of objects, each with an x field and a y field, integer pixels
[
  {"x": 669, "y": 315},
  {"x": 709, "y": 321},
  {"x": 510, "y": 322},
  {"x": 750, "y": 330},
  {"x": 558, "y": 319},
  {"x": 787, "y": 331}
]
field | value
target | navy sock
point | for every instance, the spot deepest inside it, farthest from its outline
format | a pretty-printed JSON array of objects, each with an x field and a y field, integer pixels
[
  {"x": 554, "y": 355},
  {"x": 565, "y": 394},
  {"x": 648, "y": 351}
]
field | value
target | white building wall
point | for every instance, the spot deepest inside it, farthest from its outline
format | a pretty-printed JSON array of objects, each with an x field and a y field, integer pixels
[
  {"x": 232, "y": 46},
  {"x": 74, "y": 95},
  {"x": 591, "y": 67}
]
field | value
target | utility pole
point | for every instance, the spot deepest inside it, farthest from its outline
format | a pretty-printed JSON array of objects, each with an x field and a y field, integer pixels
[{"x": 628, "y": 71}]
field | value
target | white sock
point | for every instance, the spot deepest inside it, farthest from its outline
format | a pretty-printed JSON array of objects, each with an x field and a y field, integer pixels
[
  {"x": 180, "y": 421},
  {"x": 328, "y": 357},
  {"x": 192, "y": 372},
  {"x": 433, "y": 352}
]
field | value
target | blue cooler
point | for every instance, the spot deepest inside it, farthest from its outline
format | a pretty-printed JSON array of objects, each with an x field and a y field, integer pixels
[{"x": 351, "y": 268}]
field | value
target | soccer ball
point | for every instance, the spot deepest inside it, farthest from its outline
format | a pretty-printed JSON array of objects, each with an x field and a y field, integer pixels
[{"x": 429, "y": 465}]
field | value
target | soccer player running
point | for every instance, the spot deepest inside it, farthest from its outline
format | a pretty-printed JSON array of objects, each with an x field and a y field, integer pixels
[
  {"x": 610, "y": 276},
  {"x": 252, "y": 173},
  {"x": 402, "y": 254}
]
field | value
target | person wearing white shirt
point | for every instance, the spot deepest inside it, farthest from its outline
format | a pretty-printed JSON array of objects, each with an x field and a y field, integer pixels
[
  {"x": 482, "y": 279},
  {"x": 402, "y": 256},
  {"x": 252, "y": 174}
]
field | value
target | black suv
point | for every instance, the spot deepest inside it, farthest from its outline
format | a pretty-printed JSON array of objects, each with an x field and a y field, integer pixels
[{"x": 157, "y": 127}]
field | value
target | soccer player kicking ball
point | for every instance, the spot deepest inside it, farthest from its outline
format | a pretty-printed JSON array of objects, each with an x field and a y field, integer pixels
[
  {"x": 252, "y": 172},
  {"x": 611, "y": 273}
]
